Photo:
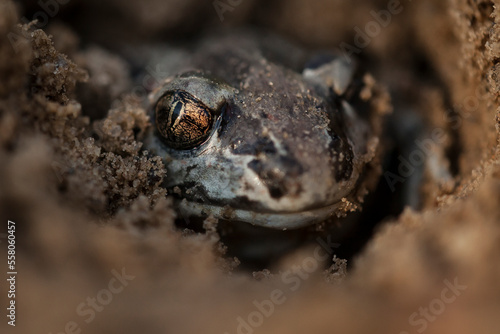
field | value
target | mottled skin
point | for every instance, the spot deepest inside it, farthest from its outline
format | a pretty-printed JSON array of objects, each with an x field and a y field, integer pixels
[{"x": 287, "y": 148}]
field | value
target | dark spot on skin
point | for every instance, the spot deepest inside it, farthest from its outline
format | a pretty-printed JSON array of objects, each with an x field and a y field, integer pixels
[
  {"x": 248, "y": 187},
  {"x": 339, "y": 148},
  {"x": 198, "y": 194},
  {"x": 274, "y": 182},
  {"x": 260, "y": 145},
  {"x": 276, "y": 192},
  {"x": 245, "y": 202},
  {"x": 189, "y": 169},
  {"x": 228, "y": 115},
  {"x": 255, "y": 165},
  {"x": 344, "y": 168},
  {"x": 292, "y": 167},
  {"x": 277, "y": 174},
  {"x": 192, "y": 191}
]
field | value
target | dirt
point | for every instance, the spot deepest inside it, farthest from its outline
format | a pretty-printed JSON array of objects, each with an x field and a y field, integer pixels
[{"x": 97, "y": 246}]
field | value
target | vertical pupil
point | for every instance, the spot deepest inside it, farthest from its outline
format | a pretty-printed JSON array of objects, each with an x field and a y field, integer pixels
[{"x": 178, "y": 105}]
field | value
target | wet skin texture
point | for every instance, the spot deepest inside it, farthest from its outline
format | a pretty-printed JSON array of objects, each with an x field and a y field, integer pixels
[{"x": 284, "y": 146}]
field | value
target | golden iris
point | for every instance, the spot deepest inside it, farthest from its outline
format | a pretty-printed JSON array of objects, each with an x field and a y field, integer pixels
[{"x": 183, "y": 121}]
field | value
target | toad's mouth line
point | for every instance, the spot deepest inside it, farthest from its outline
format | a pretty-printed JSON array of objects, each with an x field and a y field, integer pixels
[{"x": 275, "y": 220}]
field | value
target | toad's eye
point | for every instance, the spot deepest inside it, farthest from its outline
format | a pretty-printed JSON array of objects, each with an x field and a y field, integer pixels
[{"x": 183, "y": 121}]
